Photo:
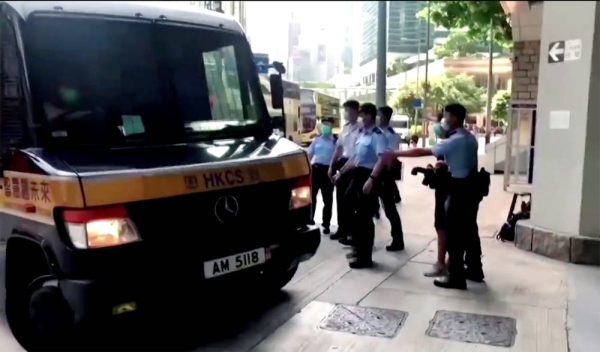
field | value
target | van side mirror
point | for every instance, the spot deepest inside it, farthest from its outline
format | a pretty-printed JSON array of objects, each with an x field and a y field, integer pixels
[{"x": 276, "y": 91}]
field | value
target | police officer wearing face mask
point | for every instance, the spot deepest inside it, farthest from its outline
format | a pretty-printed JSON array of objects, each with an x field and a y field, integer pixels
[
  {"x": 459, "y": 151},
  {"x": 344, "y": 150},
  {"x": 389, "y": 187},
  {"x": 320, "y": 153},
  {"x": 364, "y": 169}
]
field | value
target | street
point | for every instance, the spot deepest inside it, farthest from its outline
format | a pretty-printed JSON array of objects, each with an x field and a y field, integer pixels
[{"x": 530, "y": 289}]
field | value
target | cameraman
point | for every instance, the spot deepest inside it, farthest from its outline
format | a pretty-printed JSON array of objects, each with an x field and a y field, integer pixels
[{"x": 459, "y": 151}]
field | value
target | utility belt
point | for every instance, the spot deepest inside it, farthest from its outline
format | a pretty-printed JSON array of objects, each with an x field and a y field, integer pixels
[{"x": 477, "y": 184}]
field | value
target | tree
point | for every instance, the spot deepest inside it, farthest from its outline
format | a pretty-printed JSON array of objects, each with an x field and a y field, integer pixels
[
  {"x": 402, "y": 99},
  {"x": 500, "y": 106},
  {"x": 476, "y": 16},
  {"x": 449, "y": 89},
  {"x": 396, "y": 67},
  {"x": 443, "y": 90},
  {"x": 460, "y": 44}
]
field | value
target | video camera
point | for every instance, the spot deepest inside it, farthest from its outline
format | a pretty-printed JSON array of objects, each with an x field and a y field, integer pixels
[{"x": 434, "y": 178}]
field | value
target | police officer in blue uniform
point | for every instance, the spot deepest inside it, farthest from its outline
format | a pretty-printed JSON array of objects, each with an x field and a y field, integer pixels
[
  {"x": 388, "y": 180},
  {"x": 320, "y": 153},
  {"x": 459, "y": 151},
  {"x": 361, "y": 197},
  {"x": 345, "y": 148}
]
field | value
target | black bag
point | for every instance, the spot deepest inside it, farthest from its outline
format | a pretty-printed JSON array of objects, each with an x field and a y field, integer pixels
[{"x": 507, "y": 231}]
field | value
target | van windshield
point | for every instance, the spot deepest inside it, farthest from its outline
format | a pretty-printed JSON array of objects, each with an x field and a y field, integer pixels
[{"x": 117, "y": 82}]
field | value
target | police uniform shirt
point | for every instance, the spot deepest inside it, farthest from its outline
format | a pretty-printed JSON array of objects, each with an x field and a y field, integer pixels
[
  {"x": 371, "y": 144},
  {"x": 393, "y": 138},
  {"x": 321, "y": 150},
  {"x": 459, "y": 151},
  {"x": 348, "y": 139}
]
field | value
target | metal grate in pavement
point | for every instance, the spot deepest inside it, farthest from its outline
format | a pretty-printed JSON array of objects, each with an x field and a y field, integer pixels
[
  {"x": 473, "y": 328},
  {"x": 364, "y": 321}
]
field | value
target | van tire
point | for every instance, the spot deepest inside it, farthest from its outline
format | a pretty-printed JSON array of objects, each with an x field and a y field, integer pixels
[{"x": 277, "y": 279}]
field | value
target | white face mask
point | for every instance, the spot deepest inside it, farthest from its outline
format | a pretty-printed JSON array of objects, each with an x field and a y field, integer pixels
[{"x": 346, "y": 117}]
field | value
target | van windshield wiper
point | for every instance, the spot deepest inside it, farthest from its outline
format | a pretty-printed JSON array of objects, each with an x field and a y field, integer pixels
[{"x": 230, "y": 131}]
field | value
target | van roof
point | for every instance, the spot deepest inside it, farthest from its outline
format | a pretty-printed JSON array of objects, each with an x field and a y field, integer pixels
[
  {"x": 150, "y": 10},
  {"x": 400, "y": 117}
]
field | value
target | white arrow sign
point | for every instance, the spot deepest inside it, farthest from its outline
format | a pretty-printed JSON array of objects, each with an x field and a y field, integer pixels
[{"x": 556, "y": 50}]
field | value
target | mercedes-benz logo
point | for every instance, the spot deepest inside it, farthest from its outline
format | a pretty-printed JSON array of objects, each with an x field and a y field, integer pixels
[{"x": 226, "y": 209}]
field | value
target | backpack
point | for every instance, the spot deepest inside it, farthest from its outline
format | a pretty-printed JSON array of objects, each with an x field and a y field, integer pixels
[{"x": 507, "y": 231}]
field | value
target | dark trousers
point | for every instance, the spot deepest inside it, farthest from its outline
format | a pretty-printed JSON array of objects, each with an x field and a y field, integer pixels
[
  {"x": 462, "y": 233},
  {"x": 340, "y": 190},
  {"x": 388, "y": 201},
  {"x": 359, "y": 209},
  {"x": 322, "y": 182}
]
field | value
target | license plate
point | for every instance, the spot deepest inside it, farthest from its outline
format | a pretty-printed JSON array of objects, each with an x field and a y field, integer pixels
[{"x": 234, "y": 263}]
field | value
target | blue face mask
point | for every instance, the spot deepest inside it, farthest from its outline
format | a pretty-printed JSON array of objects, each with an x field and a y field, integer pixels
[{"x": 326, "y": 130}]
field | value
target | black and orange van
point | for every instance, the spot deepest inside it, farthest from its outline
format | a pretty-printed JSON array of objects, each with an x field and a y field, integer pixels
[{"x": 137, "y": 156}]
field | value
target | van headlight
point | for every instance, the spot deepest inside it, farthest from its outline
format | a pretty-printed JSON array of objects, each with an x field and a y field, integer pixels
[
  {"x": 100, "y": 227},
  {"x": 301, "y": 193}
]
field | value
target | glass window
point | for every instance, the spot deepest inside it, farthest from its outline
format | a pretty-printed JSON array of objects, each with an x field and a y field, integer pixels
[{"x": 115, "y": 82}]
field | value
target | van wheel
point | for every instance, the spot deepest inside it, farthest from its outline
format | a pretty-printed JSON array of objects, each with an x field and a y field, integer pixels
[
  {"x": 41, "y": 317},
  {"x": 277, "y": 279}
]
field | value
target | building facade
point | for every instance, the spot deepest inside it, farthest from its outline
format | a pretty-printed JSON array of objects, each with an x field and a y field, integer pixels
[{"x": 406, "y": 34}]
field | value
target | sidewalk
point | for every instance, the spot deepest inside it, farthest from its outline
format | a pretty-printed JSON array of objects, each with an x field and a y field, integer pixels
[{"x": 532, "y": 290}]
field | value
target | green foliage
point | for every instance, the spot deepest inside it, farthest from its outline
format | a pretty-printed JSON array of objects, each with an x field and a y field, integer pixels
[
  {"x": 396, "y": 67},
  {"x": 460, "y": 44},
  {"x": 476, "y": 16},
  {"x": 500, "y": 106},
  {"x": 449, "y": 89},
  {"x": 401, "y": 100},
  {"x": 443, "y": 90},
  {"x": 321, "y": 85}
]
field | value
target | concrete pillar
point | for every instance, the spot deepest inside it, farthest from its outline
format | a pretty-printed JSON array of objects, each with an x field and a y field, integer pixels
[
  {"x": 565, "y": 214},
  {"x": 566, "y": 183}
]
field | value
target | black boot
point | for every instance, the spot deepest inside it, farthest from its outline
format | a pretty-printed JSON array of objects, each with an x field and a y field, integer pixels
[
  {"x": 395, "y": 246},
  {"x": 475, "y": 274},
  {"x": 448, "y": 282},
  {"x": 326, "y": 230},
  {"x": 338, "y": 235},
  {"x": 360, "y": 262},
  {"x": 346, "y": 241},
  {"x": 311, "y": 222}
]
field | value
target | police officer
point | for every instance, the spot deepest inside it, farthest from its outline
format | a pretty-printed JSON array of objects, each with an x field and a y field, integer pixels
[
  {"x": 320, "y": 153},
  {"x": 459, "y": 151},
  {"x": 361, "y": 196},
  {"x": 345, "y": 148},
  {"x": 388, "y": 180}
]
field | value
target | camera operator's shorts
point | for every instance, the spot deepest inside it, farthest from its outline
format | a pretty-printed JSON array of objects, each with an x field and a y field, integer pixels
[{"x": 440, "y": 210}]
